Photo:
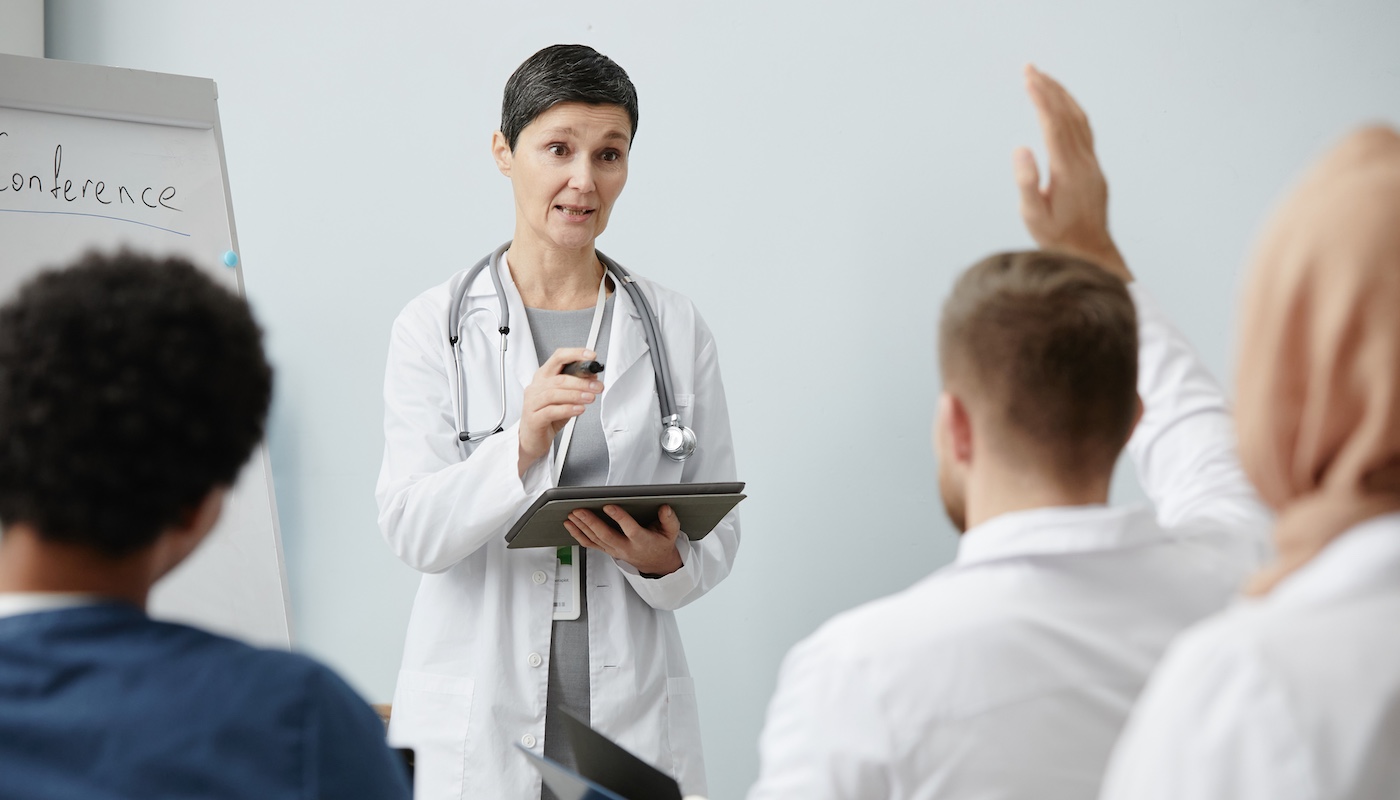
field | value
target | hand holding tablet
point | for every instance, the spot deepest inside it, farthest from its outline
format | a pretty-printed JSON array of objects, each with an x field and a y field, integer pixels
[{"x": 700, "y": 507}]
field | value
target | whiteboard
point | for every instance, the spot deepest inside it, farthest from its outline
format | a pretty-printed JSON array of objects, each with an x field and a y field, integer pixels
[{"x": 95, "y": 157}]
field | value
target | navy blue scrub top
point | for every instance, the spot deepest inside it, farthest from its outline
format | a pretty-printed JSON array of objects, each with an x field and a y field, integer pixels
[{"x": 101, "y": 701}]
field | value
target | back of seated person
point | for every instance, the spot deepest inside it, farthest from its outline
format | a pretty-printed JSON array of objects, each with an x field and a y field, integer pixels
[
  {"x": 1009, "y": 673},
  {"x": 131, "y": 393}
]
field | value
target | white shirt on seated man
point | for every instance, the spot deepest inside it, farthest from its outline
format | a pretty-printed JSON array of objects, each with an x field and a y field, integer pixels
[{"x": 1009, "y": 673}]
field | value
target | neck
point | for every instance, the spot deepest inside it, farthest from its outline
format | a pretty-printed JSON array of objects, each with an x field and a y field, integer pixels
[
  {"x": 29, "y": 563},
  {"x": 995, "y": 490},
  {"x": 553, "y": 278}
]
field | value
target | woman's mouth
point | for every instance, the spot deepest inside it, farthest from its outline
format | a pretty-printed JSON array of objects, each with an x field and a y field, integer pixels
[{"x": 574, "y": 213}]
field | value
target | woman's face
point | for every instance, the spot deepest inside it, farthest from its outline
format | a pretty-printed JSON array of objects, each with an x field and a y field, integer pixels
[{"x": 568, "y": 167}]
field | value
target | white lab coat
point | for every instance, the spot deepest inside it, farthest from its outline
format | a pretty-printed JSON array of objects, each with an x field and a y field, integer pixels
[
  {"x": 1293, "y": 696},
  {"x": 476, "y": 659},
  {"x": 1009, "y": 673}
]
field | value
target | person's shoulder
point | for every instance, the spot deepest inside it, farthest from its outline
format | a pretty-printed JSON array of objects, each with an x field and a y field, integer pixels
[
  {"x": 1220, "y": 686},
  {"x": 941, "y": 650},
  {"x": 661, "y": 292},
  {"x": 268, "y": 678},
  {"x": 668, "y": 301},
  {"x": 963, "y": 636},
  {"x": 272, "y": 688},
  {"x": 1223, "y": 653},
  {"x": 1237, "y": 546},
  {"x": 266, "y": 674},
  {"x": 1269, "y": 640},
  {"x": 676, "y": 311},
  {"x": 430, "y": 305},
  {"x": 235, "y": 656},
  {"x": 1214, "y": 720},
  {"x": 926, "y": 616}
]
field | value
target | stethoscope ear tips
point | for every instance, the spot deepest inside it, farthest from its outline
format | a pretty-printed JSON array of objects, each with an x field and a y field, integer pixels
[{"x": 677, "y": 442}]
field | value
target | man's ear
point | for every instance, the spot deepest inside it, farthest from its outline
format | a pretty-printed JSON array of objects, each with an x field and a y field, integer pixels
[
  {"x": 500, "y": 151},
  {"x": 955, "y": 428},
  {"x": 1137, "y": 415},
  {"x": 202, "y": 518}
]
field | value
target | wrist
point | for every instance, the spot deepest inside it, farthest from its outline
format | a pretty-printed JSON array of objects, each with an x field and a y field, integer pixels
[
  {"x": 662, "y": 569},
  {"x": 525, "y": 460},
  {"x": 1102, "y": 250},
  {"x": 1105, "y": 254},
  {"x": 1110, "y": 259}
]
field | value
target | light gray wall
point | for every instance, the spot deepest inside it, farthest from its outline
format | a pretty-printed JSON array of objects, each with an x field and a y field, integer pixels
[
  {"x": 22, "y": 27},
  {"x": 813, "y": 175}
]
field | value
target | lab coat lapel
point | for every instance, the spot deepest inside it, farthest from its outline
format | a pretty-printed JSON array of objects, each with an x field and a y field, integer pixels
[
  {"x": 627, "y": 395},
  {"x": 627, "y": 345},
  {"x": 521, "y": 361}
]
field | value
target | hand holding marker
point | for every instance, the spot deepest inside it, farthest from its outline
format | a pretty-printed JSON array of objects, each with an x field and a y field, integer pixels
[{"x": 582, "y": 369}]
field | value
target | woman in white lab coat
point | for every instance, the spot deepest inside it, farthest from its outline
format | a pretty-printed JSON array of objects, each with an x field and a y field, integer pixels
[{"x": 484, "y": 653}]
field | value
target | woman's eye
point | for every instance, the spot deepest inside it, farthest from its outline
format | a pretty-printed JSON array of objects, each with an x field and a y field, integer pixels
[
  {"x": 611, "y": 155},
  {"x": 558, "y": 150}
]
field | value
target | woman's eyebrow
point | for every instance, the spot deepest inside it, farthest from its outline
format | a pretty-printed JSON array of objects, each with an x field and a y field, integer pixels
[{"x": 570, "y": 132}]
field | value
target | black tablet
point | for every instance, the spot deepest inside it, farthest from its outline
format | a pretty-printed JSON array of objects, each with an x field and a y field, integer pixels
[
  {"x": 605, "y": 770},
  {"x": 700, "y": 507}
]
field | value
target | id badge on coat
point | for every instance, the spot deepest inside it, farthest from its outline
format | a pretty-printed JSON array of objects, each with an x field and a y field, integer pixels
[{"x": 567, "y": 587}]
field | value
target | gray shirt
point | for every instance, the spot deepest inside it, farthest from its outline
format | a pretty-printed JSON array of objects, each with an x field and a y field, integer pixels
[{"x": 586, "y": 464}]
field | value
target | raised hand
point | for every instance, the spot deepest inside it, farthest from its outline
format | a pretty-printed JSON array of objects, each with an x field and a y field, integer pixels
[{"x": 1070, "y": 214}]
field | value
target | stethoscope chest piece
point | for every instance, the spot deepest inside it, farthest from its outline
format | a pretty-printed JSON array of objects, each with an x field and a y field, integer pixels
[{"x": 677, "y": 441}]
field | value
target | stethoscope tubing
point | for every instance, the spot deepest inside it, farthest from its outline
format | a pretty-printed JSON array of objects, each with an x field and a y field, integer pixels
[
  {"x": 660, "y": 357},
  {"x": 454, "y": 335}
]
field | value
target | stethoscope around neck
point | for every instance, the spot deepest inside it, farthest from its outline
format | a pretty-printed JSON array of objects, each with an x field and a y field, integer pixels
[{"x": 677, "y": 441}]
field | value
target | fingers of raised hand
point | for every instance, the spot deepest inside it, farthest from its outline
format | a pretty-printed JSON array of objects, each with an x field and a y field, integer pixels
[
  {"x": 1064, "y": 124},
  {"x": 1028, "y": 182},
  {"x": 1076, "y": 124}
]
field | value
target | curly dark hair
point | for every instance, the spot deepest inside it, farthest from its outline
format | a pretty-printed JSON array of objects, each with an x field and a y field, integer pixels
[{"x": 130, "y": 387}]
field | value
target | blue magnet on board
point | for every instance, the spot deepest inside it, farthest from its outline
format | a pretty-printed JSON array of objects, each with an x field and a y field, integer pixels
[{"x": 230, "y": 259}]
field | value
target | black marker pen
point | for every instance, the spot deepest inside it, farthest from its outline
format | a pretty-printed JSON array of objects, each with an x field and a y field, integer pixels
[{"x": 582, "y": 369}]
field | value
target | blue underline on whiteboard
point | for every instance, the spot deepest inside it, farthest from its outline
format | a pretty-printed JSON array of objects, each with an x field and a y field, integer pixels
[{"x": 98, "y": 216}]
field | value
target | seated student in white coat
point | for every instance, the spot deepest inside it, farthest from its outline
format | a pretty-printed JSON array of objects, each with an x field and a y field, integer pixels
[
  {"x": 488, "y": 661},
  {"x": 1009, "y": 673},
  {"x": 1294, "y": 692},
  {"x": 131, "y": 392}
]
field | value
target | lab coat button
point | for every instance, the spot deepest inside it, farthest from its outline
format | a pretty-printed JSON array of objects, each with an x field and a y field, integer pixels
[
  {"x": 535, "y": 660},
  {"x": 527, "y": 740},
  {"x": 539, "y": 577}
]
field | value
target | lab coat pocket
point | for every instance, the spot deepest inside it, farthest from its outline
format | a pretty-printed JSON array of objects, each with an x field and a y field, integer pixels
[
  {"x": 683, "y": 729},
  {"x": 430, "y": 716}
]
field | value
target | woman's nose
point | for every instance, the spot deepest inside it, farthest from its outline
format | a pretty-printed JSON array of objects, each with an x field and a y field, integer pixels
[{"x": 581, "y": 176}]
